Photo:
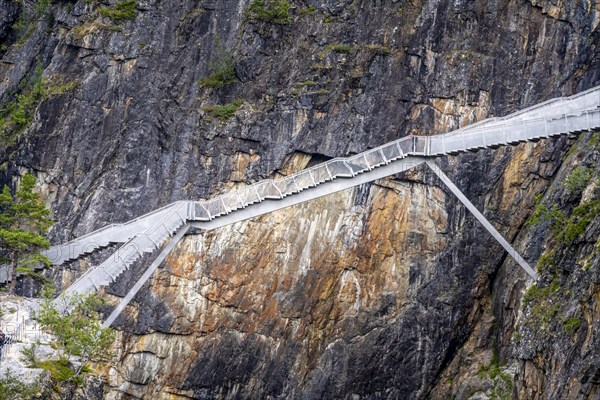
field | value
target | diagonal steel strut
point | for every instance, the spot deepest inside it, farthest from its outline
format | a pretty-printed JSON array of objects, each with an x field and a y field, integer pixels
[
  {"x": 499, "y": 238},
  {"x": 138, "y": 285}
]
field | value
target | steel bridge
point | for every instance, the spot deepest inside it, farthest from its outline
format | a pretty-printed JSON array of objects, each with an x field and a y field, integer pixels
[{"x": 164, "y": 227}]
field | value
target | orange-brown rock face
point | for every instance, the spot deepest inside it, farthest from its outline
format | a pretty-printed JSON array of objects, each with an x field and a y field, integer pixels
[
  {"x": 285, "y": 288},
  {"x": 382, "y": 291},
  {"x": 343, "y": 296}
]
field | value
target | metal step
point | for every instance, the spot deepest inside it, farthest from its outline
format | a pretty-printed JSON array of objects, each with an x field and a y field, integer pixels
[{"x": 161, "y": 224}]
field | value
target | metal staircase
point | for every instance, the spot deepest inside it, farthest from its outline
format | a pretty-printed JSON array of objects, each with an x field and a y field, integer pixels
[
  {"x": 110, "y": 234},
  {"x": 147, "y": 233},
  {"x": 149, "y": 240},
  {"x": 586, "y": 100}
]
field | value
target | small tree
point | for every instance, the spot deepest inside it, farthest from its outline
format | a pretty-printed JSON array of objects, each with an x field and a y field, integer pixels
[
  {"x": 23, "y": 220},
  {"x": 13, "y": 388},
  {"x": 222, "y": 68},
  {"x": 76, "y": 327}
]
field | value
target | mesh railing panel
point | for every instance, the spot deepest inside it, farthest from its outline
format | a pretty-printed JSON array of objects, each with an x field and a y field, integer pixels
[{"x": 469, "y": 139}]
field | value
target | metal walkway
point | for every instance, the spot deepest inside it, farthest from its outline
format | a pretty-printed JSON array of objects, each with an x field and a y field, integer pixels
[{"x": 147, "y": 233}]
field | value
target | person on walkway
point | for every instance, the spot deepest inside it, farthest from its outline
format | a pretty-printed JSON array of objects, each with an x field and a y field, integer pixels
[{"x": 2, "y": 341}]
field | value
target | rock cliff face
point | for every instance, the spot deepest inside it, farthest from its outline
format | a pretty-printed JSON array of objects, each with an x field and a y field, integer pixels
[{"x": 391, "y": 290}]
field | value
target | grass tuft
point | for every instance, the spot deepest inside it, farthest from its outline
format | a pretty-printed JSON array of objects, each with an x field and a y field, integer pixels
[
  {"x": 223, "y": 112},
  {"x": 273, "y": 11},
  {"x": 122, "y": 11}
]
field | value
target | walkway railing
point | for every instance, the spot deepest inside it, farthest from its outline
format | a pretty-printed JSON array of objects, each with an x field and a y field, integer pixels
[
  {"x": 468, "y": 140},
  {"x": 586, "y": 100},
  {"x": 14, "y": 332},
  {"x": 529, "y": 124},
  {"x": 147, "y": 233}
]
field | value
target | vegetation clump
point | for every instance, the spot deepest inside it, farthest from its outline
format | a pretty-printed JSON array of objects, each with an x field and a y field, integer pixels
[
  {"x": 578, "y": 221},
  {"x": 60, "y": 371},
  {"x": 571, "y": 325},
  {"x": 28, "y": 18},
  {"x": 305, "y": 83},
  {"x": 87, "y": 28},
  {"x": 543, "y": 305},
  {"x": 542, "y": 213},
  {"x": 273, "y": 11},
  {"x": 307, "y": 11},
  {"x": 536, "y": 293},
  {"x": 223, "y": 112},
  {"x": 222, "y": 69},
  {"x": 502, "y": 382},
  {"x": 13, "y": 388},
  {"x": 18, "y": 114},
  {"x": 340, "y": 48},
  {"x": 578, "y": 180},
  {"x": 24, "y": 219},
  {"x": 77, "y": 334},
  {"x": 545, "y": 260},
  {"x": 337, "y": 47},
  {"x": 319, "y": 67},
  {"x": 121, "y": 11},
  {"x": 330, "y": 19},
  {"x": 379, "y": 49}
]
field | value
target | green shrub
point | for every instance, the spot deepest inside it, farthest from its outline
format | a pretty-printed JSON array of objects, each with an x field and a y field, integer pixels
[
  {"x": 223, "y": 112},
  {"x": 60, "y": 369},
  {"x": 273, "y": 11},
  {"x": 542, "y": 213},
  {"x": 77, "y": 332},
  {"x": 578, "y": 180},
  {"x": 337, "y": 47},
  {"x": 578, "y": 222},
  {"x": 18, "y": 114},
  {"x": 22, "y": 25},
  {"x": 122, "y": 11},
  {"x": 41, "y": 7},
  {"x": 26, "y": 23},
  {"x": 222, "y": 69},
  {"x": 571, "y": 325},
  {"x": 29, "y": 356},
  {"x": 12, "y": 388}
]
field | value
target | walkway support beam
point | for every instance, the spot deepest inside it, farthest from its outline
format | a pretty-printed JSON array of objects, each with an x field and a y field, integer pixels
[
  {"x": 147, "y": 274},
  {"x": 499, "y": 238}
]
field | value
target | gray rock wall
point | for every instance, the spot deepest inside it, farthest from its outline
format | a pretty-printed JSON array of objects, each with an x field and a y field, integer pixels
[{"x": 129, "y": 132}]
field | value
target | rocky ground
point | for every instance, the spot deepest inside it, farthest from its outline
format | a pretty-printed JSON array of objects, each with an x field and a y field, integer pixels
[{"x": 17, "y": 322}]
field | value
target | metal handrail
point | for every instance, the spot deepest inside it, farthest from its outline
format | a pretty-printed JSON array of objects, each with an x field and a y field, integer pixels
[
  {"x": 545, "y": 104},
  {"x": 89, "y": 275},
  {"x": 102, "y": 230},
  {"x": 460, "y": 140},
  {"x": 510, "y": 132},
  {"x": 427, "y": 142}
]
